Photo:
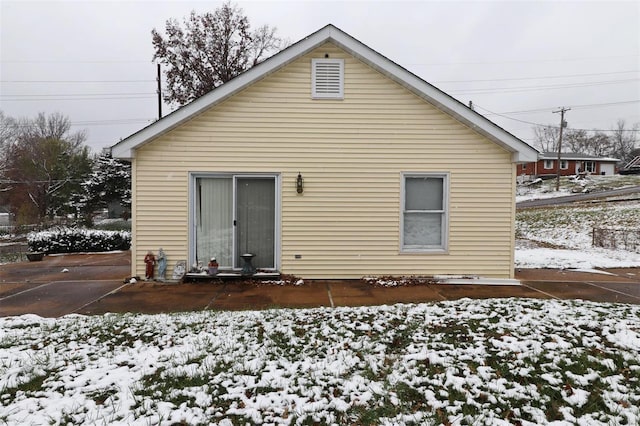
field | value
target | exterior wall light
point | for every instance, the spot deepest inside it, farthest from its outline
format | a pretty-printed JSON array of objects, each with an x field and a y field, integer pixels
[{"x": 299, "y": 184}]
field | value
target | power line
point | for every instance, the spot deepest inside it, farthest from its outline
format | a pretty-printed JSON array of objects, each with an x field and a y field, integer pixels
[
  {"x": 62, "y": 61},
  {"x": 593, "y": 58},
  {"x": 125, "y": 61},
  {"x": 534, "y": 88},
  {"x": 584, "y": 106},
  {"x": 98, "y": 122},
  {"x": 77, "y": 94},
  {"x": 76, "y": 81},
  {"x": 507, "y": 117},
  {"x": 79, "y": 99},
  {"x": 437, "y": 81},
  {"x": 550, "y": 126},
  {"x": 111, "y": 122},
  {"x": 536, "y": 78}
]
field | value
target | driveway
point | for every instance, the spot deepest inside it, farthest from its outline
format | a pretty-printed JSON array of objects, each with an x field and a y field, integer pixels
[
  {"x": 93, "y": 284},
  {"x": 60, "y": 284}
]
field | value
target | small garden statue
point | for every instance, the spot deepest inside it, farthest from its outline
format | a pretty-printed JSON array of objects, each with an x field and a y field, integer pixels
[
  {"x": 179, "y": 270},
  {"x": 150, "y": 261},
  {"x": 162, "y": 264}
]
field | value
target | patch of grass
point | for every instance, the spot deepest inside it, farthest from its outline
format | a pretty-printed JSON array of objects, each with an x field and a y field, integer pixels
[
  {"x": 30, "y": 386},
  {"x": 410, "y": 397},
  {"x": 403, "y": 336},
  {"x": 280, "y": 340},
  {"x": 12, "y": 257},
  {"x": 595, "y": 402},
  {"x": 101, "y": 396},
  {"x": 168, "y": 387},
  {"x": 371, "y": 413}
]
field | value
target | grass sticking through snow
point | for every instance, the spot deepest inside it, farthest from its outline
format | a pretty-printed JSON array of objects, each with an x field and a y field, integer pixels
[{"x": 463, "y": 362}]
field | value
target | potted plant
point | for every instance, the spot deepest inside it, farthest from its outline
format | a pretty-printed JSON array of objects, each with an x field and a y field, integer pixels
[
  {"x": 213, "y": 266},
  {"x": 35, "y": 256}
]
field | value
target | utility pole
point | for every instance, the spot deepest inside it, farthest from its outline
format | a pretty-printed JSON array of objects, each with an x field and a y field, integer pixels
[
  {"x": 159, "y": 94},
  {"x": 563, "y": 124}
]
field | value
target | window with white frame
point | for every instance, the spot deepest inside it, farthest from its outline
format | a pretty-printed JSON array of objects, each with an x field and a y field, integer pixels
[
  {"x": 424, "y": 211},
  {"x": 564, "y": 164},
  {"x": 590, "y": 166},
  {"x": 327, "y": 78},
  {"x": 548, "y": 164}
]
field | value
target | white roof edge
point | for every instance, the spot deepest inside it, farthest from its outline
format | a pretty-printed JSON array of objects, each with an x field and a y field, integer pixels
[
  {"x": 609, "y": 159},
  {"x": 521, "y": 151},
  {"x": 570, "y": 156}
]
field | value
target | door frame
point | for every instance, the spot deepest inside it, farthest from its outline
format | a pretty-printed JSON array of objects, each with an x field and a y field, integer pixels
[{"x": 192, "y": 224}]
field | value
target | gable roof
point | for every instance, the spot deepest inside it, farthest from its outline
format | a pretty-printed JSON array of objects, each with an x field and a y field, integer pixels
[{"x": 521, "y": 151}]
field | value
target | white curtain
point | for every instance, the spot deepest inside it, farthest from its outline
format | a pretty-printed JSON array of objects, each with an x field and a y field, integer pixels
[{"x": 214, "y": 216}]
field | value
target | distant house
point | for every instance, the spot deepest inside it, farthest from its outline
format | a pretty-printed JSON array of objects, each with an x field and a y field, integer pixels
[
  {"x": 5, "y": 216},
  {"x": 570, "y": 164},
  {"x": 327, "y": 160}
]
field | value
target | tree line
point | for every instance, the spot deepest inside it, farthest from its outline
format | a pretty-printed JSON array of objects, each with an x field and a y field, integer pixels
[
  {"x": 47, "y": 172},
  {"x": 618, "y": 143}
]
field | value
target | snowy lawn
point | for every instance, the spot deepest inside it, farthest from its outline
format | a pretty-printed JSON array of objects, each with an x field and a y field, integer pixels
[
  {"x": 513, "y": 361},
  {"x": 570, "y": 229}
]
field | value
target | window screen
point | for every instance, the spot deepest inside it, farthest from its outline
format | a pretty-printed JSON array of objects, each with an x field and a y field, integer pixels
[{"x": 424, "y": 212}]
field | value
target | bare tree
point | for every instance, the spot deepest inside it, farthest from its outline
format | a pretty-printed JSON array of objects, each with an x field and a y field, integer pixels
[
  {"x": 8, "y": 131},
  {"x": 575, "y": 141},
  {"x": 44, "y": 164},
  {"x": 209, "y": 50},
  {"x": 546, "y": 138},
  {"x": 624, "y": 141},
  {"x": 599, "y": 144},
  {"x": 580, "y": 141}
]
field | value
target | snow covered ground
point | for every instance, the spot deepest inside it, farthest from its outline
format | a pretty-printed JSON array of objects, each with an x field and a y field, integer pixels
[
  {"x": 584, "y": 259},
  {"x": 569, "y": 229},
  {"x": 484, "y": 362}
]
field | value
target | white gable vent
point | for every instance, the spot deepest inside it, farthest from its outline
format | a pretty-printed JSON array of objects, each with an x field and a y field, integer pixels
[{"x": 327, "y": 78}]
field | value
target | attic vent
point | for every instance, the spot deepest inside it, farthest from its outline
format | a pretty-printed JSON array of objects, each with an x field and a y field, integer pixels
[{"x": 327, "y": 78}]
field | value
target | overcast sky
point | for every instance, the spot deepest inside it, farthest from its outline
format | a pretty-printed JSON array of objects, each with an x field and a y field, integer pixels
[{"x": 91, "y": 60}]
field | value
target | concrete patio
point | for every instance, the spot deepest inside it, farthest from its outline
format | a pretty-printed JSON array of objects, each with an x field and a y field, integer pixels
[{"x": 93, "y": 284}]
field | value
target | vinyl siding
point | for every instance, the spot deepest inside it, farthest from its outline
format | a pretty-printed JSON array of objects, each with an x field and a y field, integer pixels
[{"x": 351, "y": 154}]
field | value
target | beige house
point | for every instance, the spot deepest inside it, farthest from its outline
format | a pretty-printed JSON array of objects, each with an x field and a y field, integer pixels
[{"x": 327, "y": 160}]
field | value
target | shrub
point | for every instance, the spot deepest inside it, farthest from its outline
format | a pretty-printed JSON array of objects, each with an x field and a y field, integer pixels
[{"x": 77, "y": 240}]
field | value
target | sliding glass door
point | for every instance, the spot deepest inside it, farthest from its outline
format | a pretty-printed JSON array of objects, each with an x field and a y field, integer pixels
[{"x": 234, "y": 215}]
